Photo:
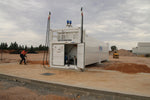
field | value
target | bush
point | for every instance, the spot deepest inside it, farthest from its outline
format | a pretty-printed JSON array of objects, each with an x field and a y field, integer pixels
[{"x": 34, "y": 52}]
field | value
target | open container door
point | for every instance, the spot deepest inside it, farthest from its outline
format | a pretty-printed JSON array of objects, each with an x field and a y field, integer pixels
[
  {"x": 58, "y": 54},
  {"x": 80, "y": 55}
]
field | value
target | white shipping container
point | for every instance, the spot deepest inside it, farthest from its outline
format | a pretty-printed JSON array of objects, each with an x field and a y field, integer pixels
[
  {"x": 143, "y": 48},
  {"x": 67, "y": 51}
]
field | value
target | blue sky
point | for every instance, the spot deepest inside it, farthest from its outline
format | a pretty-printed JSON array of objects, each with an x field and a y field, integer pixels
[{"x": 123, "y": 23}]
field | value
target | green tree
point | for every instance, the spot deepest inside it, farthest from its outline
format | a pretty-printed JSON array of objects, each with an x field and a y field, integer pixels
[
  {"x": 113, "y": 48},
  {"x": 31, "y": 49},
  {"x": 40, "y": 47},
  {"x": 21, "y": 47},
  {"x": 13, "y": 46},
  {"x": 26, "y": 47},
  {"x": 3, "y": 46}
]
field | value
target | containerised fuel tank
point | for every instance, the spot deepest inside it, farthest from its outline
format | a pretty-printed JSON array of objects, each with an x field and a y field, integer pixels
[{"x": 67, "y": 50}]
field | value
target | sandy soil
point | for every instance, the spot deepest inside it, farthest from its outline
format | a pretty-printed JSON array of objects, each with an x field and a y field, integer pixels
[
  {"x": 132, "y": 59},
  {"x": 96, "y": 79},
  {"x": 7, "y": 58},
  {"x": 103, "y": 80},
  {"x": 8, "y": 92},
  {"x": 126, "y": 64}
]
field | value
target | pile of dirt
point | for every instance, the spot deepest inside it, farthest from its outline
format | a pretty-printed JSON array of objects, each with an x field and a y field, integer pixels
[
  {"x": 123, "y": 52},
  {"x": 129, "y": 68}
]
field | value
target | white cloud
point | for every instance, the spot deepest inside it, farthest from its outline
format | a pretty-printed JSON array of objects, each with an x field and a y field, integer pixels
[
  {"x": 119, "y": 22},
  {"x": 27, "y": 37},
  {"x": 22, "y": 5}
]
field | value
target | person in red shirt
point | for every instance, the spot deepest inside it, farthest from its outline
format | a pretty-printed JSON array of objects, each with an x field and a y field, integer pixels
[{"x": 23, "y": 55}]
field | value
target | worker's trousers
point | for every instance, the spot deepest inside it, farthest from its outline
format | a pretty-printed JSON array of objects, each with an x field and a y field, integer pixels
[{"x": 22, "y": 59}]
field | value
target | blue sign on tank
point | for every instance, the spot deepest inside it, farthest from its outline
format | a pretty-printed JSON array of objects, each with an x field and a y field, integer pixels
[{"x": 68, "y": 22}]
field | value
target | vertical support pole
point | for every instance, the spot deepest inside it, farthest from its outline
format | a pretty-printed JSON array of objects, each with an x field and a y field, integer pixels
[
  {"x": 48, "y": 36},
  {"x": 82, "y": 45},
  {"x": 81, "y": 25},
  {"x": 47, "y": 40}
]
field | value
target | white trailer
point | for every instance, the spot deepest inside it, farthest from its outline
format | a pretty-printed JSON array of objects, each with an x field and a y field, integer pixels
[{"x": 67, "y": 50}]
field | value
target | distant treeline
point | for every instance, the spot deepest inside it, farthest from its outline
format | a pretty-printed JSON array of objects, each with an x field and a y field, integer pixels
[{"x": 17, "y": 47}]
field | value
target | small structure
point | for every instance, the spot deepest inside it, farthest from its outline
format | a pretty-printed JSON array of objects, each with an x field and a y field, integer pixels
[
  {"x": 71, "y": 48},
  {"x": 67, "y": 50},
  {"x": 143, "y": 48}
]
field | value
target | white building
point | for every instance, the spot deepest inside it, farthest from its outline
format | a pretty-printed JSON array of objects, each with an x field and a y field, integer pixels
[{"x": 142, "y": 48}]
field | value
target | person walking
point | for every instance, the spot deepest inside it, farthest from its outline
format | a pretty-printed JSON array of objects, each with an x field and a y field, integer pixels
[{"x": 22, "y": 56}]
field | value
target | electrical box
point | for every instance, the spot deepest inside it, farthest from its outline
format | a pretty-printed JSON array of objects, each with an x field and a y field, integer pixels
[{"x": 58, "y": 54}]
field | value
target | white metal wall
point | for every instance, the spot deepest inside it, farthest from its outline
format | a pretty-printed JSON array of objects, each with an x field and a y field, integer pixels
[
  {"x": 95, "y": 51},
  {"x": 143, "y": 48}
]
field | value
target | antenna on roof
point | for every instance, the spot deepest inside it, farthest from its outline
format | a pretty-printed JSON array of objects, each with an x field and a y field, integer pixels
[{"x": 81, "y": 25}]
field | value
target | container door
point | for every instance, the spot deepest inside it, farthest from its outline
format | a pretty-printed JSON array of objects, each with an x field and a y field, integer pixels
[
  {"x": 58, "y": 54},
  {"x": 80, "y": 55}
]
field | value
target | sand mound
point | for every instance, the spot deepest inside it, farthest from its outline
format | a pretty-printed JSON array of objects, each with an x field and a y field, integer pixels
[
  {"x": 129, "y": 68},
  {"x": 123, "y": 52}
]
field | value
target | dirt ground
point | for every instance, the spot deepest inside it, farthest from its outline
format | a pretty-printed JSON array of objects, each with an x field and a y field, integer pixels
[
  {"x": 9, "y": 58},
  {"x": 10, "y": 92},
  {"x": 126, "y": 64},
  {"x": 94, "y": 77}
]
